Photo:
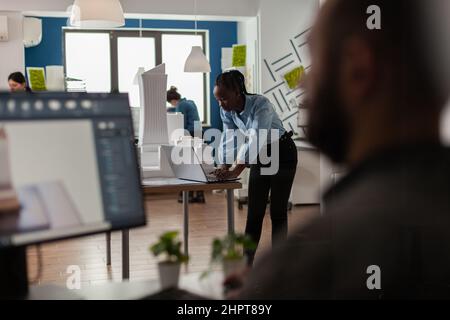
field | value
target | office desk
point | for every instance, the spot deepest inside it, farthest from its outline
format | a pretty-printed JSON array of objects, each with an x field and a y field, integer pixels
[
  {"x": 306, "y": 185},
  {"x": 173, "y": 185},
  {"x": 209, "y": 287}
]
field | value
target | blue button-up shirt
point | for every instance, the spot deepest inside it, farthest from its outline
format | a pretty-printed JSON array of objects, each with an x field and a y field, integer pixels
[
  {"x": 259, "y": 113},
  {"x": 190, "y": 112}
]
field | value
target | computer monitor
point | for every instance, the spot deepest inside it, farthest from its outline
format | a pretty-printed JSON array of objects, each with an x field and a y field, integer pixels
[{"x": 69, "y": 160}]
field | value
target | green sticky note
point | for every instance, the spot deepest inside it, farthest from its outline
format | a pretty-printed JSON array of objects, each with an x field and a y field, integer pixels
[
  {"x": 294, "y": 77},
  {"x": 239, "y": 55},
  {"x": 36, "y": 78}
]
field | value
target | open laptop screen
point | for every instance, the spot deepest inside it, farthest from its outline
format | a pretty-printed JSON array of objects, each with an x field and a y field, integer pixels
[{"x": 68, "y": 162}]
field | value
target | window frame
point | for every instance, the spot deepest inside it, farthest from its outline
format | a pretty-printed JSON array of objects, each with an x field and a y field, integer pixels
[{"x": 157, "y": 34}]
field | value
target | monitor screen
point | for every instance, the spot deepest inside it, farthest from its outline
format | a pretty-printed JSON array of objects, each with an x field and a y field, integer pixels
[{"x": 68, "y": 167}]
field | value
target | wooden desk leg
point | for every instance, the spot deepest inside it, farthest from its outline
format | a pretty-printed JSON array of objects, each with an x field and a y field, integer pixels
[
  {"x": 186, "y": 220},
  {"x": 125, "y": 254},
  {"x": 230, "y": 210},
  {"x": 108, "y": 248}
]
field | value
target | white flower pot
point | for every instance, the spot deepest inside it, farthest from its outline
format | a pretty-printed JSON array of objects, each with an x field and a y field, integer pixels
[
  {"x": 169, "y": 274},
  {"x": 231, "y": 266}
]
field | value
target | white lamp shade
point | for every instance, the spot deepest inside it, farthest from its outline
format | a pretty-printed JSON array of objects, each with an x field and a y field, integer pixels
[
  {"x": 97, "y": 14},
  {"x": 196, "y": 61}
]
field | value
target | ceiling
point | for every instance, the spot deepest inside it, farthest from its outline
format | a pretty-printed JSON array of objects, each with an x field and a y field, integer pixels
[{"x": 205, "y": 8}]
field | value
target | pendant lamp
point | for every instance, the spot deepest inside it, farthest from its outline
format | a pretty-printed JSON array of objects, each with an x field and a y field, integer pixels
[
  {"x": 196, "y": 61},
  {"x": 97, "y": 14}
]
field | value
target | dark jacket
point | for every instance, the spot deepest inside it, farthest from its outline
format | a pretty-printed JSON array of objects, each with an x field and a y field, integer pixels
[{"x": 393, "y": 211}]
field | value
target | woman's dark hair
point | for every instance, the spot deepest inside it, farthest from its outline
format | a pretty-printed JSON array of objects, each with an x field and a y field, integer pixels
[
  {"x": 17, "y": 77},
  {"x": 232, "y": 80},
  {"x": 173, "y": 94}
]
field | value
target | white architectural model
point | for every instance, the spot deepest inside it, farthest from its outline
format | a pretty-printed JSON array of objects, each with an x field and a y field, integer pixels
[{"x": 153, "y": 122}]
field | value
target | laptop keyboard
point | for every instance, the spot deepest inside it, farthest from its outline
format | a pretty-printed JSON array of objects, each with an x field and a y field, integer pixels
[{"x": 212, "y": 178}]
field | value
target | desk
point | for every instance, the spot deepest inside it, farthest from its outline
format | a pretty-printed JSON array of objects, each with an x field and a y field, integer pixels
[
  {"x": 209, "y": 287},
  {"x": 306, "y": 185},
  {"x": 173, "y": 185},
  {"x": 315, "y": 174}
]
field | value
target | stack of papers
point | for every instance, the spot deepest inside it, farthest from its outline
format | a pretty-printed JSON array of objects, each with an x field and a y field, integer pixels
[
  {"x": 227, "y": 58},
  {"x": 75, "y": 85}
]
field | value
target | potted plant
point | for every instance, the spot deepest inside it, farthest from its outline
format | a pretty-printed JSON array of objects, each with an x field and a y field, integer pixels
[
  {"x": 169, "y": 268},
  {"x": 230, "y": 252}
]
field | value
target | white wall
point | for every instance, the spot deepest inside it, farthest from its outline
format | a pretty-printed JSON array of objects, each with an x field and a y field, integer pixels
[
  {"x": 12, "y": 52},
  {"x": 268, "y": 38},
  {"x": 281, "y": 21},
  {"x": 248, "y": 8},
  {"x": 282, "y": 24},
  {"x": 248, "y": 34}
]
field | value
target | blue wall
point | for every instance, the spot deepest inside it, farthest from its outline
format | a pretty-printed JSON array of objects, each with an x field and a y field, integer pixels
[{"x": 221, "y": 34}]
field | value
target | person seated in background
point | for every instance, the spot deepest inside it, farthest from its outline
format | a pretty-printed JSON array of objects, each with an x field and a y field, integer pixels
[
  {"x": 186, "y": 107},
  {"x": 190, "y": 114},
  {"x": 17, "y": 82},
  {"x": 374, "y": 107}
]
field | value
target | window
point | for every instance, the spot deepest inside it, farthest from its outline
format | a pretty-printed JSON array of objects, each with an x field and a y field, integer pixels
[
  {"x": 133, "y": 53},
  {"x": 107, "y": 60},
  {"x": 88, "y": 59},
  {"x": 175, "y": 50}
]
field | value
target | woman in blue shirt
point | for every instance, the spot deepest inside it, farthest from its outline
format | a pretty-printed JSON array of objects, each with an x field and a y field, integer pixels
[
  {"x": 186, "y": 107},
  {"x": 253, "y": 115}
]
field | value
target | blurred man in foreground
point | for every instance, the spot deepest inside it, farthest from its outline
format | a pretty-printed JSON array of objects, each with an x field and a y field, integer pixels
[{"x": 385, "y": 232}]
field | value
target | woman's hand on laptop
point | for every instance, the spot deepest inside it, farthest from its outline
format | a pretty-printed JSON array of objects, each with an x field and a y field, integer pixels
[{"x": 224, "y": 173}]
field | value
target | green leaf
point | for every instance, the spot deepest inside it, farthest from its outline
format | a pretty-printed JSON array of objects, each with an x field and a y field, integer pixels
[
  {"x": 231, "y": 247},
  {"x": 204, "y": 274},
  {"x": 171, "y": 246},
  {"x": 169, "y": 236},
  {"x": 158, "y": 248}
]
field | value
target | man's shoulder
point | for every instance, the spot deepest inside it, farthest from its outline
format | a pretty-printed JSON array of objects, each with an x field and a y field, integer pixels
[
  {"x": 406, "y": 186},
  {"x": 286, "y": 272}
]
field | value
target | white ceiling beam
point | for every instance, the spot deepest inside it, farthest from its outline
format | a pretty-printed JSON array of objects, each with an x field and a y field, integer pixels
[{"x": 227, "y": 8}]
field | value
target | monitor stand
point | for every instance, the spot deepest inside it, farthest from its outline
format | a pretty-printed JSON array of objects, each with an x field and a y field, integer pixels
[{"x": 13, "y": 273}]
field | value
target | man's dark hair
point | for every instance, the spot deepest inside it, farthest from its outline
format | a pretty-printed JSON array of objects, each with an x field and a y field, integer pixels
[
  {"x": 17, "y": 77},
  {"x": 399, "y": 44}
]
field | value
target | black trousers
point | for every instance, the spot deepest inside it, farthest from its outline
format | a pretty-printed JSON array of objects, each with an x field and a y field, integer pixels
[{"x": 279, "y": 185}]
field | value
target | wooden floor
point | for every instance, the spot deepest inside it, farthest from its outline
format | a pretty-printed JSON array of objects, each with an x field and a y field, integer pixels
[{"x": 163, "y": 213}]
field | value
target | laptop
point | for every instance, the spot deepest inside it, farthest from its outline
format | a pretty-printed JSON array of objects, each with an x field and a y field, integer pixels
[{"x": 191, "y": 168}]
